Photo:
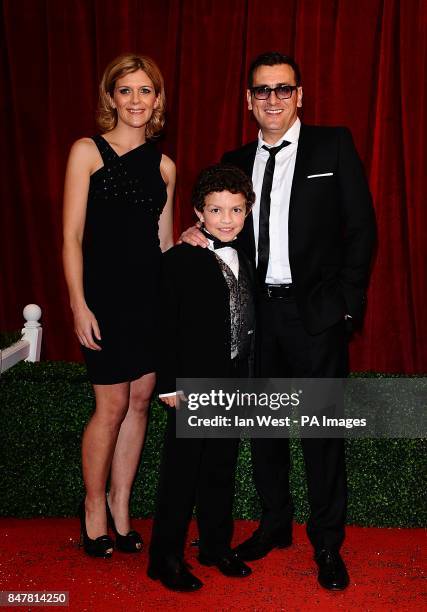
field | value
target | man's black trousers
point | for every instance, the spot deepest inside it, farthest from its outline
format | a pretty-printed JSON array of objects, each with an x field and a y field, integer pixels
[{"x": 286, "y": 350}]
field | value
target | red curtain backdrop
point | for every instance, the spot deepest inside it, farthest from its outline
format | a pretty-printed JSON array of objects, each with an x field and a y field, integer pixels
[{"x": 364, "y": 65}]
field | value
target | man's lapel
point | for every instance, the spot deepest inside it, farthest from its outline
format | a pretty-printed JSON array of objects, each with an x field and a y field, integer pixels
[
  {"x": 303, "y": 153},
  {"x": 247, "y": 159},
  {"x": 246, "y": 237}
]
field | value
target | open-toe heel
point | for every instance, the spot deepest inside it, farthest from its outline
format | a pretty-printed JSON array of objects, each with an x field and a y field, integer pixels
[
  {"x": 99, "y": 547},
  {"x": 129, "y": 543}
]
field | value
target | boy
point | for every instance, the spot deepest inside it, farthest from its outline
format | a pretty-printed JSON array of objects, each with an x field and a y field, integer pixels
[{"x": 207, "y": 332}]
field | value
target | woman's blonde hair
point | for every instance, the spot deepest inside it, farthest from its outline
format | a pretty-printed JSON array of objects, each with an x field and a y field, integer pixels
[{"x": 118, "y": 68}]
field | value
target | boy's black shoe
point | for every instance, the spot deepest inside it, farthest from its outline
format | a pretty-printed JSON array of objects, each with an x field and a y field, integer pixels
[
  {"x": 173, "y": 573},
  {"x": 332, "y": 570},
  {"x": 261, "y": 543},
  {"x": 228, "y": 564}
]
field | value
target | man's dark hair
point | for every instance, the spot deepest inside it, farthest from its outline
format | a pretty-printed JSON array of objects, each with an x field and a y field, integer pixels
[
  {"x": 222, "y": 177},
  {"x": 273, "y": 58}
]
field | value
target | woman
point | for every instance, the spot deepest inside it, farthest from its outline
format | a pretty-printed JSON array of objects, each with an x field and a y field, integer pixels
[{"x": 117, "y": 219}]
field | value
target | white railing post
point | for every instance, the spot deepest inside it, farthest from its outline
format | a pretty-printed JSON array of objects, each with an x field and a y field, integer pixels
[{"x": 32, "y": 331}]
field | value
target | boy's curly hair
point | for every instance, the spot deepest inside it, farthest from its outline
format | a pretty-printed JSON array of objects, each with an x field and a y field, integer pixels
[{"x": 222, "y": 177}]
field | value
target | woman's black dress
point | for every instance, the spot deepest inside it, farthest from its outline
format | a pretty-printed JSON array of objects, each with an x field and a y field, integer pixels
[{"x": 121, "y": 261}]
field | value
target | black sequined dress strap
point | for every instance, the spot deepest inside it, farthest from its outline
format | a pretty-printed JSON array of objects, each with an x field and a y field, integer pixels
[{"x": 105, "y": 149}]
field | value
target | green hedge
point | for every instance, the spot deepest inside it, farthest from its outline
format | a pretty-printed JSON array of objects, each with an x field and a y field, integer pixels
[{"x": 45, "y": 406}]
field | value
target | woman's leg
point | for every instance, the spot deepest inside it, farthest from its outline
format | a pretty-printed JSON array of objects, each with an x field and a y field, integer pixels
[
  {"x": 98, "y": 444},
  {"x": 128, "y": 450}
]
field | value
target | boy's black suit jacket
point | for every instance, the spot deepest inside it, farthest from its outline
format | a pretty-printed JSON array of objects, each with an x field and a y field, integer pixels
[
  {"x": 331, "y": 227},
  {"x": 195, "y": 316}
]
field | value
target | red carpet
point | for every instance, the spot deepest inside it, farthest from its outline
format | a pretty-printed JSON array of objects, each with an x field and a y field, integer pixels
[{"x": 386, "y": 568}]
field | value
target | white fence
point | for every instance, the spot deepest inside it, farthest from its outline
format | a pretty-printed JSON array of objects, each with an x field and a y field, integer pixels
[{"x": 28, "y": 347}]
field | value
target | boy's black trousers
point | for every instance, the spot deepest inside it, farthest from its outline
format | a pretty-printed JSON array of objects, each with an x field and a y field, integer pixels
[{"x": 194, "y": 472}]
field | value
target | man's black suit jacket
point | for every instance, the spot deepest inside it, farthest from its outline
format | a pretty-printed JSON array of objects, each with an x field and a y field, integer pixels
[
  {"x": 195, "y": 326},
  {"x": 331, "y": 229}
]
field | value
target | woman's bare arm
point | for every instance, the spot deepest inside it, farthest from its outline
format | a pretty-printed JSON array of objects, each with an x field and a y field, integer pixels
[
  {"x": 168, "y": 171},
  {"x": 82, "y": 161}
]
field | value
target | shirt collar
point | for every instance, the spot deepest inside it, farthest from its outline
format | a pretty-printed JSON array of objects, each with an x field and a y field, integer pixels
[
  {"x": 210, "y": 245},
  {"x": 291, "y": 135}
]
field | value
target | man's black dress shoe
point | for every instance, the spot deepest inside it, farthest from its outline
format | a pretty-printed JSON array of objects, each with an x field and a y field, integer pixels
[
  {"x": 174, "y": 574},
  {"x": 261, "y": 543},
  {"x": 228, "y": 564},
  {"x": 332, "y": 570}
]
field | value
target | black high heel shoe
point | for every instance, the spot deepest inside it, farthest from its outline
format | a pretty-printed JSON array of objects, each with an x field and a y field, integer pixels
[
  {"x": 129, "y": 543},
  {"x": 100, "y": 547}
]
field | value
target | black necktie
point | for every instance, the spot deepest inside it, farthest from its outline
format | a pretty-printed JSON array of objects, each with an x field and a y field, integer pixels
[
  {"x": 264, "y": 211},
  {"x": 217, "y": 243}
]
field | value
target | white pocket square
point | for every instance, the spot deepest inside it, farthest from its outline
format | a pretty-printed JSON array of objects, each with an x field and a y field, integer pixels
[{"x": 317, "y": 175}]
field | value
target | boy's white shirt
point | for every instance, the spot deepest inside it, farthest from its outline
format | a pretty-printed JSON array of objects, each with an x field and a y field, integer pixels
[{"x": 231, "y": 258}]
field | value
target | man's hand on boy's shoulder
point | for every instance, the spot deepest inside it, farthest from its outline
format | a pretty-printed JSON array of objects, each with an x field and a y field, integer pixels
[{"x": 193, "y": 236}]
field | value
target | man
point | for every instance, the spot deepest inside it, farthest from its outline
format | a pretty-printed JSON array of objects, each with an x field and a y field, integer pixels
[{"x": 311, "y": 235}]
